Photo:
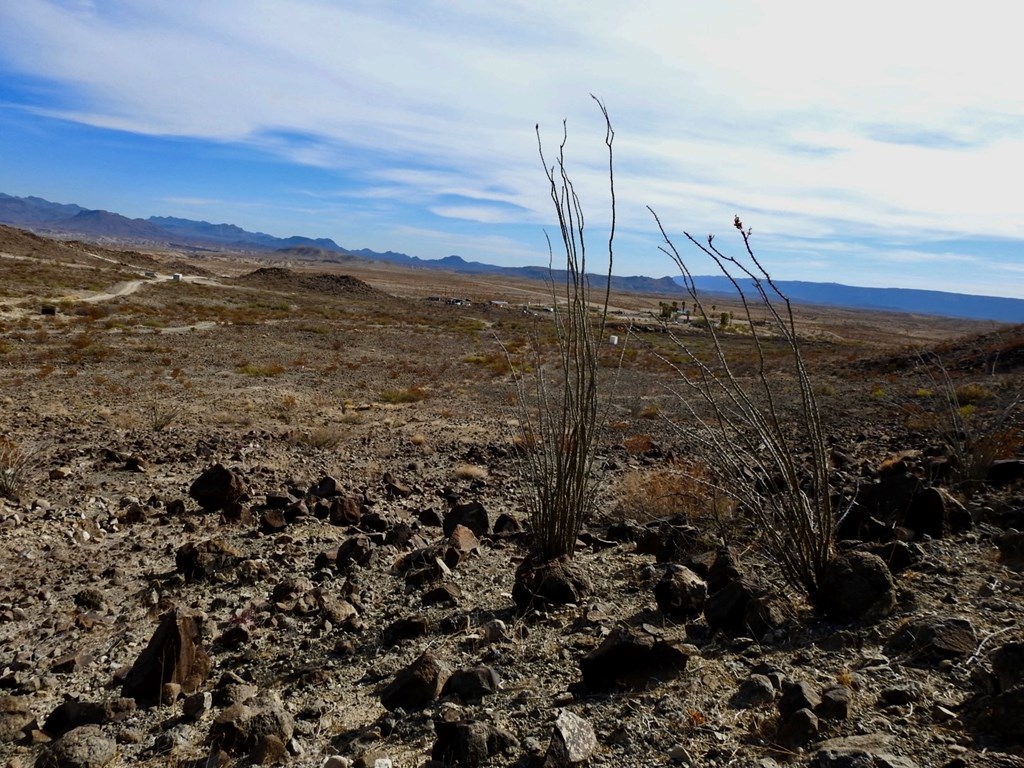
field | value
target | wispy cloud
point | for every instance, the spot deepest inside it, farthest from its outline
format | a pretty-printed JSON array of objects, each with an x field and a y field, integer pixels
[{"x": 902, "y": 131}]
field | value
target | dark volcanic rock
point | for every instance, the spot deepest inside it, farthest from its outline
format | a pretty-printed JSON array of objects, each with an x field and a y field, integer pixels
[
  {"x": 417, "y": 685},
  {"x": 471, "y": 685},
  {"x": 469, "y": 743},
  {"x": 680, "y": 593},
  {"x": 856, "y": 586},
  {"x": 174, "y": 655},
  {"x": 471, "y": 515},
  {"x": 1008, "y": 666},
  {"x": 934, "y": 638},
  {"x": 933, "y": 512},
  {"x": 217, "y": 487},
  {"x": 796, "y": 695},
  {"x": 630, "y": 659},
  {"x": 755, "y": 691},
  {"x": 205, "y": 561},
  {"x": 538, "y": 586}
]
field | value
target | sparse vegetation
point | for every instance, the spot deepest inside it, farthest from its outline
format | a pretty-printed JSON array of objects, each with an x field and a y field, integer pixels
[
  {"x": 14, "y": 466},
  {"x": 407, "y": 395},
  {"x": 738, "y": 427},
  {"x": 560, "y": 408}
]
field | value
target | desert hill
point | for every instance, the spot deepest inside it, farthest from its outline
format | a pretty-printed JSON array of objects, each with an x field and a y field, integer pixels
[{"x": 275, "y": 516}]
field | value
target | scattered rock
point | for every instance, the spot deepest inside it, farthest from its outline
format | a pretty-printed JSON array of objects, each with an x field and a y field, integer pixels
[
  {"x": 217, "y": 487},
  {"x": 16, "y": 718},
  {"x": 539, "y": 586},
  {"x": 345, "y": 510},
  {"x": 84, "y": 747},
  {"x": 870, "y": 750},
  {"x": 836, "y": 704},
  {"x": 573, "y": 741},
  {"x": 174, "y": 655},
  {"x": 472, "y": 515},
  {"x": 241, "y": 728},
  {"x": 799, "y": 728},
  {"x": 755, "y": 691},
  {"x": 930, "y": 639},
  {"x": 208, "y": 560},
  {"x": 469, "y": 743},
  {"x": 417, "y": 685},
  {"x": 681, "y": 593},
  {"x": 797, "y": 695},
  {"x": 628, "y": 658},
  {"x": 471, "y": 685},
  {"x": 856, "y": 586}
]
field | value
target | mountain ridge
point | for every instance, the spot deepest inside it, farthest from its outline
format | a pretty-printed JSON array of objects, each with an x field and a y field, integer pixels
[{"x": 46, "y": 217}]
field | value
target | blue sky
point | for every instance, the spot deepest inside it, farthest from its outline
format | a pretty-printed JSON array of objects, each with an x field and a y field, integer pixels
[{"x": 875, "y": 143}]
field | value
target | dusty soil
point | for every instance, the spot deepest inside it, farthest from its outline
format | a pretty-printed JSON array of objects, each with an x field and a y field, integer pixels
[{"x": 136, "y": 384}]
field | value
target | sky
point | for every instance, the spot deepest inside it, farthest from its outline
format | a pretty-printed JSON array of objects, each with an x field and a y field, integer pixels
[{"x": 871, "y": 143}]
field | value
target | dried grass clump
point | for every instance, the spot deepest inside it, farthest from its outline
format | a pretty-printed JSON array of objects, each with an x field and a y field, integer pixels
[
  {"x": 655, "y": 494},
  {"x": 407, "y": 395},
  {"x": 470, "y": 472},
  {"x": 14, "y": 466},
  {"x": 324, "y": 438}
]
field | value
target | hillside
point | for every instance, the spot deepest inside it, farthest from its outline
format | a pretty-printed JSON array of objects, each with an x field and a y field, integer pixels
[{"x": 40, "y": 215}]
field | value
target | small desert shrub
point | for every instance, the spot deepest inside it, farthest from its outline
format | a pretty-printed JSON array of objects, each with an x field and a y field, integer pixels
[
  {"x": 973, "y": 394},
  {"x": 419, "y": 439},
  {"x": 161, "y": 414},
  {"x": 737, "y": 425},
  {"x": 562, "y": 407},
  {"x": 646, "y": 495},
  {"x": 14, "y": 466},
  {"x": 975, "y": 441},
  {"x": 407, "y": 395},
  {"x": 470, "y": 472},
  {"x": 324, "y": 438},
  {"x": 265, "y": 370},
  {"x": 638, "y": 444}
]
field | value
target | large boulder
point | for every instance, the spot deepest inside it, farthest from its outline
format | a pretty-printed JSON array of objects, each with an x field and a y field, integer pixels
[
  {"x": 856, "y": 586},
  {"x": 631, "y": 659},
  {"x": 541, "y": 585}
]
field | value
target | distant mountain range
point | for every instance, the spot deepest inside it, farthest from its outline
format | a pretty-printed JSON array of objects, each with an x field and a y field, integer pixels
[{"x": 47, "y": 218}]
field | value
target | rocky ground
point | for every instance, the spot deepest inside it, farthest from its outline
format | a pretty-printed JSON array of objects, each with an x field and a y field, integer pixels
[{"x": 275, "y": 517}]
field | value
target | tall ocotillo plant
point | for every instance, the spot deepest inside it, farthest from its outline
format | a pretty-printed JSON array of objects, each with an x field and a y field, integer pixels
[
  {"x": 560, "y": 406},
  {"x": 740, "y": 428}
]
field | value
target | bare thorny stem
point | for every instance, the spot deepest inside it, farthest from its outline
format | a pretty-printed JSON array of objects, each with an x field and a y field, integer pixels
[
  {"x": 561, "y": 419},
  {"x": 746, "y": 440}
]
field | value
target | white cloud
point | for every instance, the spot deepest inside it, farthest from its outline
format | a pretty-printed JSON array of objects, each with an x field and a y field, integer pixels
[{"x": 822, "y": 120}]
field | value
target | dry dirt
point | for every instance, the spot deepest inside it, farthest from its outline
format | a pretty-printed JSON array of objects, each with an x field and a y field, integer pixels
[{"x": 136, "y": 384}]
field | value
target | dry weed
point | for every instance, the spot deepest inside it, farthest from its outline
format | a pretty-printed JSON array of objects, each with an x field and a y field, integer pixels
[
  {"x": 470, "y": 472},
  {"x": 14, "y": 466},
  {"x": 681, "y": 489}
]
